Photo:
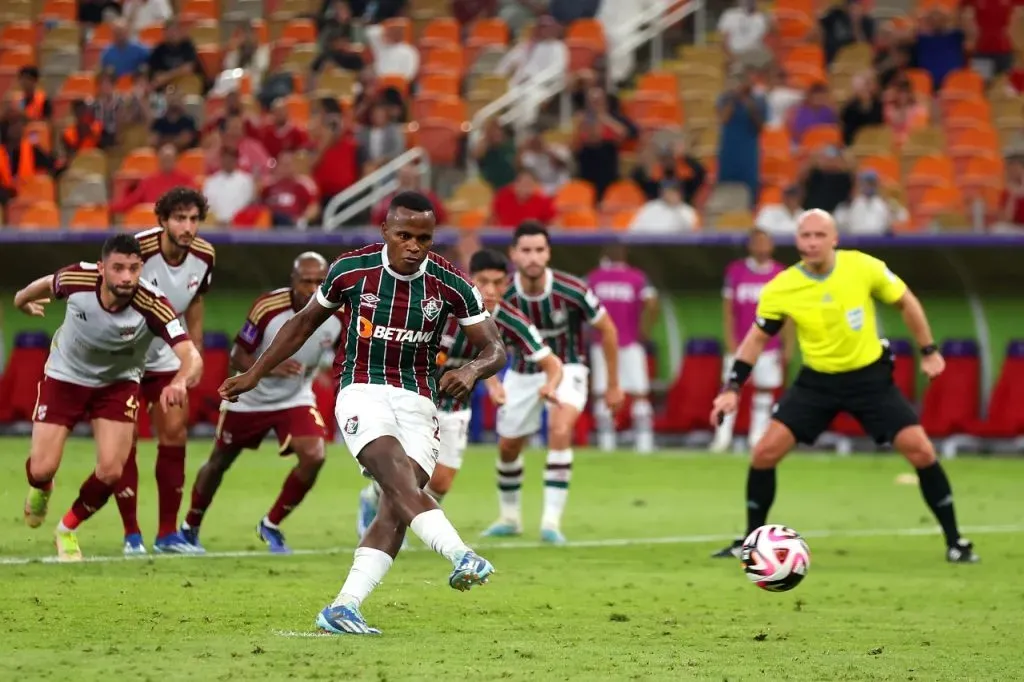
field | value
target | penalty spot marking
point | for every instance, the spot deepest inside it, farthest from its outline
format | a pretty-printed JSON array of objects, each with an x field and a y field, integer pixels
[{"x": 528, "y": 544}]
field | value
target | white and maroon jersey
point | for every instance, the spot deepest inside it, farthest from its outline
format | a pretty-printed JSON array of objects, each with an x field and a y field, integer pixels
[
  {"x": 393, "y": 322},
  {"x": 560, "y": 312},
  {"x": 181, "y": 284},
  {"x": 266, "y": 317},
  {"x": 97, "y": 347}
]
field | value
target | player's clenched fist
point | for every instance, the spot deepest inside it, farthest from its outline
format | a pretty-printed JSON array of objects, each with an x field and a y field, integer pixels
[
  {"x": 174, "y": 394},
  {"x": 725, "y": 403},
  {"x": 236, "y": 386},
  {"x": 614, "y": 397},
  {"x": 933, "y": 365},
  {"x": 458, "y": 383}
]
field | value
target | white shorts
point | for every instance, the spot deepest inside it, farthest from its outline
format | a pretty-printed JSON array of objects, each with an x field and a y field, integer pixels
[
  {"x": 633, "y": 378},
  {"x": 454, "y": 437},
  {"x": 367, "y": 412},
  {"x": 767, "y": 374},
  {"x": 520, "y": 415}
]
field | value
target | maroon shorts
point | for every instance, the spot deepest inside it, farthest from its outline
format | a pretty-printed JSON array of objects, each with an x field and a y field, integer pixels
[
  {"x": 66, "y": 404},
  {"x": 246, "y": 430},
  {"x": 153, "y": 384}
]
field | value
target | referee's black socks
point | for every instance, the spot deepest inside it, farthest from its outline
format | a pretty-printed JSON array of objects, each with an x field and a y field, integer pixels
[
  {"x": 760, "y": 495},
  {"x": 939, "y": 495}
]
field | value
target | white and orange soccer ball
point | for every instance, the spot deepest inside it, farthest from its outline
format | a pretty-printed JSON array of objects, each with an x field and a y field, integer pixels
[{"x": 775, "y": 558}]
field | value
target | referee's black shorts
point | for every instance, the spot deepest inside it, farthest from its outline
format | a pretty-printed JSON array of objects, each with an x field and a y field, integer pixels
[{"x": 868, "y": 394}]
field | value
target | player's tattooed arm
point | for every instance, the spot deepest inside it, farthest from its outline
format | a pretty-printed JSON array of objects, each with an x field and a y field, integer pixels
[
  {"x": 484, "y": 335},
  {"x": 32, "y": 298}
]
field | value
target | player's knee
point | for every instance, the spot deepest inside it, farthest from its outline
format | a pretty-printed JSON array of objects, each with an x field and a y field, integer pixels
[
  {"x": 560, "y": 436},
  {"x": 311, "y": 458},
  {"x": 174, "y": 434},
  {"x": 766, "y": 453},
  {"x": 509, "y": 449},
  {"x": 42, "y": 468},
  {"x": 916, "y": 447},
  {"x": 109, "y": 471}
]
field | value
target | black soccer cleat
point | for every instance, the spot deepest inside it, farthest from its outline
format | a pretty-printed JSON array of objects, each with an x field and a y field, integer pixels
[
  {"x": 731, "y": 551},
  {"x": 962, "y": 552}
]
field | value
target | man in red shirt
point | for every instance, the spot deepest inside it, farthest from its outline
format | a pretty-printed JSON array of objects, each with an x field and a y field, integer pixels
[
  {"x": 409, "y": 180},
  {"x": 520, "y": 201},
  {"x": 1012, "y": 213},
  {"x": 992, "y": 19},
  {"x": 290, "y": 198},
  {"x": 336, "y": 166},
  {"x": 279, "y": 134},
  {"x": 148, "y": 190}
]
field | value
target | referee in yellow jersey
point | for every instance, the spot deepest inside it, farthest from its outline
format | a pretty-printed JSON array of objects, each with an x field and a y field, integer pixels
[{"x": 829, "y": 297}]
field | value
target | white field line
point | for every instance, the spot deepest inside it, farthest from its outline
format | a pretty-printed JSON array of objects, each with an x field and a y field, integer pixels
[{"x": 529, "y": 544}]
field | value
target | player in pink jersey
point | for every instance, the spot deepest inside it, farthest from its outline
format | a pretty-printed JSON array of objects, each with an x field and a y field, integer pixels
[
  {"x": 744, "y": 279},
  {"x": 632, "y": 303}
]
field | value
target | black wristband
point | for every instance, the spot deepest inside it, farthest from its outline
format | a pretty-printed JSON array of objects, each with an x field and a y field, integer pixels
[
  {"x": 738, "y": 375},
  {"x": 930, "y": 349}
]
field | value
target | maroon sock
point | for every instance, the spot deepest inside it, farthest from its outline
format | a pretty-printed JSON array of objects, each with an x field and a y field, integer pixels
[
  {"x": 93, "y": 494},
  {"x": 126, "y": 494},
  {"x": 292, "y": 492},
  {"x": 200, "y": 503},
  {"x": 46, "y": 486},
  {"x": 170, "y": 480}
]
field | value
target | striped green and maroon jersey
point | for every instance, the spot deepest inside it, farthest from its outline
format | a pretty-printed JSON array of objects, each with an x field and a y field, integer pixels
[
  {"x": 517, "y": 332},
  {"x": 560, "y": 314},
  {"x": 393, "y": 322}
]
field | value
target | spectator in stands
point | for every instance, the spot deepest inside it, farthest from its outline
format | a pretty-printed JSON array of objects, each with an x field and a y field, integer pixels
[
  {"x": 334, "y": 16},
  {"x": 252, "y": 157},
  {"x": 93, "y": 12},
  {"x": 20, "y": 156},
  {"x": 143, "y": 13},
  {"x": 151, "y": 188},
  {"x": 863, "y": 109},
  {"x": 175, "y": 126},
  {"x": 521, "y": 200},
  {"x": 468, "y": 11},
  {"x": 233, "y": 107},
  {"x": 340, "y": 52},
  {"x": 392, "y": 56},
  {"x": 519, "y": 13},
  {"x": 940, "y": 45},
  {"x": 989, "y": 23},
  {"x": 542, "y": 51},
  {"x": 84, "y": 132},
  {"x": 668, "y": 214},
  {"x": 869, "y": 212},
  {"x": 670, "y": 164},
  {"x": 278, "y": 134},
  {"x": 894, "y": 51},
  {"x": 1011, "y": 217},
  {"x": 410, "y": 179},
  {"x": 599, "y": 134},
  {"x": 845, "y": 24},
  {"x": 815, "y": 110},
  {"x": 903, "y": 112},
  {"x": 495, "y": 155},
  {"x": 744, "y": 29},
  {"x": 381, "y": 141},
  {"x": 230, "y": 189},
  {"x": 780, "y": 219},
  {"x": 291, "y": 198},
  {"x": 549, "y": 162},
  {"x": 174, "y": 58},
  {"x": 246, "y": 53},
  {"x": 742, "y": 113},
  {"x": 780, "y": 97},
  {"x": 116, "y": 111},
  {"x": 567, "y": 11},
  {"x": 33, "y": 102},
  {"x": 336, "y": 163},
  {"x": 124, "y": 56},
  {"x": 826, "y": 178},
  {"x": 581, "y": 81}
]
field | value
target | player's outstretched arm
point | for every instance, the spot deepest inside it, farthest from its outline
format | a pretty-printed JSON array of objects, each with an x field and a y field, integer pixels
[
  {"x": 909, "y": 305},
  {"x": 484, "y": 335},
  {"x": 32, "y": 298}
]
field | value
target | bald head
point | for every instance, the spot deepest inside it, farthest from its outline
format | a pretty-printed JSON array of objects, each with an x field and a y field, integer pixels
[
  {"x": 816, "y": 240},
  {"x": 816, "y": 219},
  {"x": 308, "y": 270}
]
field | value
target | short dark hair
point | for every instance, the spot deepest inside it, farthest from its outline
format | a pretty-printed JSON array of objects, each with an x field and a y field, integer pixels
[
  {"x": 29, "y": 72},
  {"x": 529, "y": 228},
  {"x": 122, "y": 243},
  {"x": 487, "y": 259},
  {"x": 413, "y": 201},
  {"x": 178, "y": 198}
]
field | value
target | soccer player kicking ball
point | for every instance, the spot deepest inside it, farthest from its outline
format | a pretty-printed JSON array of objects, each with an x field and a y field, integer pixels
[
  {"x": 283, "y": 401},
  {"x": 396, "y": 298},
  {"x": 180, "y": 263},
  {"x": 559, "y": 305},
  {"x": 829, "y": 298},
  {"x": 489, "y": 271},
  {"x": 93, "y": 372}
]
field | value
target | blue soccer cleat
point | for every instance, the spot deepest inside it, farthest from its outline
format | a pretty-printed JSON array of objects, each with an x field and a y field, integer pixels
[
  {"x": 175, "y": 543},
  {"x": 344, "y": 620},
  {"x": 272, "y": 537},
  {"x": 191, "y": 535},
  {"x": 503, "y": 528},
  {"x": 470, "y": 570},
  {"x": 552, "y": 536},
  {"x": 367, "y": 511},
  {"x": 133, "y": 545}
]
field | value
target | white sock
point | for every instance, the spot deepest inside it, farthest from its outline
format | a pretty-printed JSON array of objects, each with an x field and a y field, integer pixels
[
  {"x": 510, "y": 489},
  {"x": 760, "y": 415},
  {"x": 438, "y": 533},
  {"x": 268, "y": 524},
  {"x": 557, "y": 475},
  {"x": 643, "y": 424},
  {"x": 605, "y": 421},
  {"x": 438, "y": 497},
  {"x": 61, "y": 528},
  {"x": 368, "y": 570}
]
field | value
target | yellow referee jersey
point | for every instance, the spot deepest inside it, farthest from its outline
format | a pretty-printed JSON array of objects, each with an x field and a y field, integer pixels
[{"x": 834, "y": 314}]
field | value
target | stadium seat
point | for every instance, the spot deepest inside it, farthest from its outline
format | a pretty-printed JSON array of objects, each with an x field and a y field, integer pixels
[
  {"x": 90, "y": 218},
  {"x": 486, "y": 34},
  {"x": 688, "y": 404},
  {"x": 575, "y": 195},
  {"x": 204, "y": 401},
  {"x": 1005, "y": 417},
  {"x": 585, "y": 40},
  {"x": 951, "y": 401},
  {"x": 19, "y": 384}
]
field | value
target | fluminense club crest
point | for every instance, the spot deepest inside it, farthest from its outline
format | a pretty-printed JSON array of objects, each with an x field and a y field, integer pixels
[{"x": 431, "y": 308}]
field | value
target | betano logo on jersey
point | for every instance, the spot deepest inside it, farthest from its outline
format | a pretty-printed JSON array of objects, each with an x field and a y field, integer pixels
[{"x": 369, "y": 330}]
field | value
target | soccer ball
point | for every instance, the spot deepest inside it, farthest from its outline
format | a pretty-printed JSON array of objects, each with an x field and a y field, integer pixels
[{"x": 775, "y": 558}]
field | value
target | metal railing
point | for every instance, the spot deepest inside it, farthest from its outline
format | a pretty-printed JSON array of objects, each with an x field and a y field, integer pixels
[
  {"x": 650, "y": 26},
  {"x": 370, "y": 189}
]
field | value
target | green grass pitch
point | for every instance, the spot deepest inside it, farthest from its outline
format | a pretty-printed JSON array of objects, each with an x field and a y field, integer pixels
[{"x": 637, "y": 598}]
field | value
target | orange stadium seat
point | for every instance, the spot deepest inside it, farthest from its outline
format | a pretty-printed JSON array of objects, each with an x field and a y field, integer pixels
[
  {"x": 777, "y": 169},
  {"x": 920, "y": 82},
  {"x": 775, "y": 143},
  {"x": 198, "y": 10},
  {"x": 822, "y": 135},
  {"x": 887, "y": 167},
  {"x": 585, "y": 40},
  {"x": 192, "y": 162},
  {"x": 484, "y": 33},
  {"x": 151, "y": 35},
  {"x": 18, "y": 33},
  {"x": 40, "y": 216},
  {"x": 983, "y": 179},
  {"x": 659, "y": 81},
  {"x": 805, "y": 65},
  {"x": 575, "y": 195},
  {"x": 654, "y": 110},
  {"x": 16, "y": 56},
  {"x": 440, "y": 83},
  {"x": 443, "y": 58},
  {"x": 622, "y": 196},
  {"x": 622, "y": 220},
  {"x": 473, "y": 219},
  {"x": 972, "y": 113},
  {"x": 59, "y": 10},
  {"x": 580, "y": 219},
  {"x": 440, "y": 106},
  {"x": 90, "y": 218},
  {"x": 793, "y": 26},
  {"x": 440, "y": 32},
  {"x": 139, "y": 163},
  {"x": 299, "y": 31},
  {"x": 935, "y": 201},
  {"x": 770, "y": 194},
  {"x": 38, "y": 189},
  {"x": 442, "y": 138},
  {"x": 139, "y": 217}
]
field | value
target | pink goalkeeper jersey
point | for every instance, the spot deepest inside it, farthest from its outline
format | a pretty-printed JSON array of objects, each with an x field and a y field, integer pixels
[
  {"x": 744, "y": 280},
  {"x": 622, "y": 289}
]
